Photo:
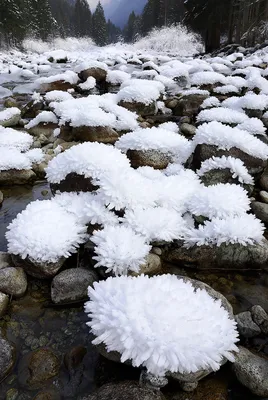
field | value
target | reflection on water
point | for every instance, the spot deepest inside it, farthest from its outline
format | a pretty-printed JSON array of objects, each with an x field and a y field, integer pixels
[{"x": 15, "y": 200}]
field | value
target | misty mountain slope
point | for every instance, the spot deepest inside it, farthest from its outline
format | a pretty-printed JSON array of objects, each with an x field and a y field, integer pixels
[{"x": 118, "y": 11}]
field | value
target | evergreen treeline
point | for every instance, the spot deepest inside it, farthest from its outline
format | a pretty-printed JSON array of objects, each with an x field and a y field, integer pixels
[{"x": 45, "y": 19}]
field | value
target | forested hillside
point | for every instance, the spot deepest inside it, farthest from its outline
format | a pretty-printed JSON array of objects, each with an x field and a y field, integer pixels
[{"x": 219, "y": 22}]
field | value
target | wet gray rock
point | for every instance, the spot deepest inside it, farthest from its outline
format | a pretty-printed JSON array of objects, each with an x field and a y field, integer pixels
[
  {"x": 203, "y": 152},
  {"x": 7, "y": 358},
  {"x": 264, "y": 180},
  {"x": 188, "y": 105},
  {"x": 38, "y": 368},
  {"x": 264, "y": 196},
  {"x": 260, "y": 210},
  {"x": 5, "y": 260},
  {"x": 140, "y": 108},
  {"x": 215, "y": 176},
  {"x": 150, "y": 158},
  {"x": 152, "y": 266},
  {"x": 260, "y": 317},
  {"x": 17, "y": 177},
  {"x": 13, "y": 281},
  {"x": 4, "y": 300},
  {"x": 187, "y": 130},
  {"x": 98, "y": 73},
  {"x": 246, "y": 326},
  {"x": 252, "y": 371},
  {"x": 71, "y": 285},
  {"x": 43, "y": 129},
  {"x": 37, "y": 269},
  {"x": 225, "y": 257},
  {"x": 1, "y": 198},
  {"x": 125, "y": 391},
  {"x": 101, "y": 134}
]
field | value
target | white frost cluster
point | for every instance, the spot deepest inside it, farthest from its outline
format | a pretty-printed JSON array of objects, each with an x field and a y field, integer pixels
[
  {"x": 158, "y": 323},
  {"x": 244, "y": 229},
  {"x": 45, "y": 232},
  {"x": 45, "y": 117},
  {"x": 221, "y": 114},
  {"x": 8, "y": 114},
  {"x": 119, "y": 249},
  {"x": 235, "y": 165},
  {"x": 140, "y": 91},
  {"x": 13, "y": 139},
  {"x": 226, "y": 137}
]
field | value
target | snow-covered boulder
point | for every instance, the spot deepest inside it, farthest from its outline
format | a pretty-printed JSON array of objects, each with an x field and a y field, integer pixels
[
  {"x": 44, "y": 123},
  {"x": 10, "y": 117},
  {"x": 97, "y": 70},
  {"x": 187, "y": 364}
]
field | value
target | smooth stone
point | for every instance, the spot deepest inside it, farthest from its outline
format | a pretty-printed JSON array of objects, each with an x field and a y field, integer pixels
[
  {"x": 150, "y": 158},
  {"x": 252, "y": 371},
  {"x": 98, "y": 73},
  {"x": 246, "y": 326},
  {"x": 260, "y": 210},
  {"x": 152, "y": 266},
  {"x": 71, "y": 285},
  {"x": 48, "y": 395},
  {"x": 57, "y": 85},
  {"x": 223, "y": 257},
  {"x": 264, "y": 196},
  {"x": 13, "y": 281},
  {"x": 38, "y": 269},
  {"x": 140, "y": 108},
  {"x": 1, "y": 198},
  {"x": 17, "y": 177},
  {"x": 31, "y": 109},
  {"x": 260, "y": 317},
  {"x": 187, "y": 130},
  {"x": 43, "y": 129},
  {"x": 7, "y": 358},
  {"x": 189, "y": 105},
  {"x": 101, "y": 134},
  {"x": 4, "y": 300},
  {"x": 38, "y": 368},
  {"x": 125, "y": 391}
]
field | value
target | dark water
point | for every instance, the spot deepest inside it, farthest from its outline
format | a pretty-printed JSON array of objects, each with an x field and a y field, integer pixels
[{"x": 33, "y": 322}]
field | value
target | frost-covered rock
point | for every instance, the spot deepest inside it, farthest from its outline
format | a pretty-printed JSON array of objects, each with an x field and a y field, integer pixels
[
  {"x": 179, "y": 355},
  {"x": 61, "y": 235},
  {"x": 10, "y": 117},
  {"x": 71, "y": 285},
  {"x": 92, "y": 68},
  {"x": 12, "y": 139},
  {"x": 252, "y": 371}
]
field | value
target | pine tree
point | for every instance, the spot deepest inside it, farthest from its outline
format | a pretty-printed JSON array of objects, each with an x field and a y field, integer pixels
[
  {"x": 82, "y": 18},
  {"x": 130, "y": 28},
  {"x": 100, "y": 34},
  {"x": 114, "y": 33},
  {"x": 12, "y": 21}
]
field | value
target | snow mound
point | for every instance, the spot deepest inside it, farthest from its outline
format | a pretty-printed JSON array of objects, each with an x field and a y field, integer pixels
[
  {"x": 35, "y": 155},
  {"x": 95, "y": 111},
  {"x": 67, "y": 76},
  {"x": 89, "y": 84},
  {"x": 225, "y": 137},
  {"x": 211, "y": 102},
  {"x": 207, "y": 78},
  {"x": 11, "y": 158},
  {"x": 88, "y": 159},
  {"x": 158, "y": 323},
  {"x": 235, "y": 165},
  {"x": 140, "y": 91},
  {"x": 57, "y": 95},
  {"x": 13, "y": 139},
  {"x": 45, "y": 117},
  {"x": 117, "y": 77},
  {"x": 119, "y": 249},
  {"x": 59, "y": 236},
  {"x": 219, "y": 201},
  {"x": 221, "y": 114},
  {"x": 8, "y": 114},
  {"x": 245, "y": 229}
]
